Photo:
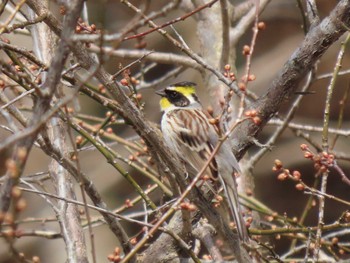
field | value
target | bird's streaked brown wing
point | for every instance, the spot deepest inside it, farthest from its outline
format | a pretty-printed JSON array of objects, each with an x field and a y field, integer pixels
[{"x": 192, "y": 137}]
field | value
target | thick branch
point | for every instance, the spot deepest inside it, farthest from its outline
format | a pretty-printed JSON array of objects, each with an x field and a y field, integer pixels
[{"x": 315, "y": 44}]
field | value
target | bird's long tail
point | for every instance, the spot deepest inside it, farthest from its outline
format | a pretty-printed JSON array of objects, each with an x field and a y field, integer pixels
[{"x": 230, "y": 188}]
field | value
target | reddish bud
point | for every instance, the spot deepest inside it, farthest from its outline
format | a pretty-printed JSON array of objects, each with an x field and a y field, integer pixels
[
  {"x": 78, "y": 29},
  {"x": 232, "y": 225},
  {"x": 133, "y": 241},
  {"x": 210, "y": 110},
  {"x": 308, "y": 155},
  {"x": 269, "y": 218},
  {"x": 278, "y": 164},
  {"x": 184, "y": 205},
  {"x": 249, "y": 192},
  {"x": 251, "y": 77},
  {"x": 304, "y": 147},
  {"x": 192, "y": 207},
  {"x": 16, "y": 192},
  {"x": 63, "y": 10},
  {"x": 213, "y": 121},
  {"x": 256, "y": 120},
  {"x": 21, "y": 204},
  {"x": 219, "y": 198},
  {"x": 150, "y": 160},
  {"x": 261, "y": 26},
  {"x": 205, "y": 177},
  {"x": 253, "y": 113},
  {"x": 124, "y": 82},
  {"x": 117, "y": 251},
  {"x": 297, "y": 175},
  {"x": 299, "y": 187},
  {"x": 335, "y": 241},
  {"x": 282, "y": 176},
  {"x": 347, "y": 216},
  {"x": 242, "y": 86},
  {"x": 79, "y": 139},
  {"x": 246, "y": 50},
  {"x": 141, "y": 45},
  {"x": 138, "y": 96},
  {"x": 128, "y": 203},
  {"x": 22, "y": 153}
]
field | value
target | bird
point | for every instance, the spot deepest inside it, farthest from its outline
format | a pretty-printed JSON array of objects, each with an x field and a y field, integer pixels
[{"x": 188, "y": 134}]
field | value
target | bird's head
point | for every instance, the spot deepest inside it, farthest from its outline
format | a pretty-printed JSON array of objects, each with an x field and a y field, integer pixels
[{"x": 178, "y": 95}]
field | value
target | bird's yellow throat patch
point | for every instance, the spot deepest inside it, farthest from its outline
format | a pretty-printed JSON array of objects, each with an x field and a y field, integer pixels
[{"x": 164, "y": 103}]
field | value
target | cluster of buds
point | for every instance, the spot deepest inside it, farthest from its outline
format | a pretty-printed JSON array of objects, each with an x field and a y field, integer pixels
[
  {"x": 321, "y": 160},
  {"x": 83, "y": 27},
  {"x": 228, "y": 73},
  {"x": 188, "y": 206},
  {"x": 133, "y": 81},
  {"x": 22, "y": 258},
  {"x": 115, "y": 257},
  {"x": 127, "y": 79},
  {"x": 217, "y": 201},
  {"x": 242, "y": 85},
  {"x": 284, "y": 174},
  {"x": 253, "y": 114},
  {"x": 9, "y": 219},
  {"x": 250, "y": 77},
  {"x": 20, "y": 202}
]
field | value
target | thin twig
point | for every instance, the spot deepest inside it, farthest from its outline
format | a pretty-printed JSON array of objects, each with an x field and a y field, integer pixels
[
  {"x": 181, "y": 18},
  {"x": 325, "y": 146}
]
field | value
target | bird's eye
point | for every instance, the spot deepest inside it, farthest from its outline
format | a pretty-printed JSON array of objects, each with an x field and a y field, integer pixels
[{"x": 173, "y": 94}]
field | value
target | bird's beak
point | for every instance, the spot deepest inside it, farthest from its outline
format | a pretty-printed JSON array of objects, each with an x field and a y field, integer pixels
[{"x": 161, "y": 93}]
